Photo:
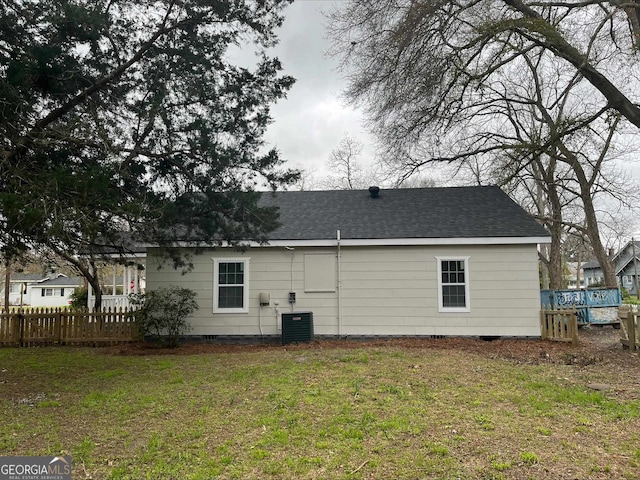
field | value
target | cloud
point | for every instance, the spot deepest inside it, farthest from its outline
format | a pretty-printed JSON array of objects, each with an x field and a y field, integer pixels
[{"x": 312, "y": 120}]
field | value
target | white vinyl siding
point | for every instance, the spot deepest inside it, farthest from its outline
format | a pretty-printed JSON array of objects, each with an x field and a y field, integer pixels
[
  {"x": 382, "y": 291},
  {"x": 320, "y": 273},
  {"x": 453, "y": 284},
  {"x": 231, "y": 285}
]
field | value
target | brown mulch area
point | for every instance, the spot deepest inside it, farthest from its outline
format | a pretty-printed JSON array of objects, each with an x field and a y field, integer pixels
[{"x": 595, "y": 344}]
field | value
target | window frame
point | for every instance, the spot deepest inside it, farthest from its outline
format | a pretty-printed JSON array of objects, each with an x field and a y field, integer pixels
[
  {"x": 216, "y": 285},
  {"x": 441, "y": 307}
]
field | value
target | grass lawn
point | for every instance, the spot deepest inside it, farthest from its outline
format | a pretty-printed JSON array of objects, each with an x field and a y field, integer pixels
[{"x": 374, "y": 412}]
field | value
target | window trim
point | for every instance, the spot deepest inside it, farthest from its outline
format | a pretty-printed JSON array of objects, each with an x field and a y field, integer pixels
[
  {"x": 216, "y": 276},
  {"x": 467, "y": 282}
]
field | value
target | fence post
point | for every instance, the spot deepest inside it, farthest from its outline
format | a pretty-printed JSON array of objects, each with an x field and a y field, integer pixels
[
  {"x": 18, "y": 327},
  {"x": 631, "y": 329},
  {"x": 58, "y": 327},
  {"x": 14, "y": 323},
  {"x": 573, "y": 325}
]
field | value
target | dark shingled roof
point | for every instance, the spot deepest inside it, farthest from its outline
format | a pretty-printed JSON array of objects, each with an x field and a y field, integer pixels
[
  {"x": 62, "y": 281},
  {"x": 456, "y": 212},
  {"x": 590, "y": 264},
  {"x": 26, "y": 277}
]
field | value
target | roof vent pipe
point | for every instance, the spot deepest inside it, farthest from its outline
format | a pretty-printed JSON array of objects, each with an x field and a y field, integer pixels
[{"x": 374, "y": 192}]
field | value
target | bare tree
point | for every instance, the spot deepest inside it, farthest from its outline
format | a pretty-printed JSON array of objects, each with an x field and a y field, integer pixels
[
  {"x": 485, "y": 82},
  {"x": 307, "y": 180},
  {"x": 416, "y": 182},
  {"x": 347, "y": 173},
  {"x": 414, "y": 64}
]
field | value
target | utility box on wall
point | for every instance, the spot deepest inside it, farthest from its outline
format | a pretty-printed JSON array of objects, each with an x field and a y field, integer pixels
[{"x": 297, "y": 327}]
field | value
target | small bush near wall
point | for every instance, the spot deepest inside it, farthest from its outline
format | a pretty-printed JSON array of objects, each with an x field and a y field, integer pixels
[
  {"x": 79, "y": 298},
  {"x": 163, "y": 313}
]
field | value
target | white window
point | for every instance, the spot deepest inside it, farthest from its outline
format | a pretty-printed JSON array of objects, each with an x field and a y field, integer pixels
[
  {"x": 453, "y": 284},
  {"x": 52, "y": 292},
  {"x": 231, "y": 285}
]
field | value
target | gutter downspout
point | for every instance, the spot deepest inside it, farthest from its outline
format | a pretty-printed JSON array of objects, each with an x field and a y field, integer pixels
[{"x": 339, "y": 284}]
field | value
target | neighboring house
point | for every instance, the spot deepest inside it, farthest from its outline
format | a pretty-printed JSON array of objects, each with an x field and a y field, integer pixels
[
  {"x": 20, "y": 287},
  {"x": 628, "y": 267},
  {"x": 55, "y": 291},
  {"x": 626, "y": 264},
  {"x": 592, "y": 274},
  {"x": 418, "y": 262},
  {"x": 42, "y": 291}
]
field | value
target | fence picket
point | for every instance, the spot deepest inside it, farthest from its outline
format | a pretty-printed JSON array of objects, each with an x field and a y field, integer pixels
[{"x": 559, "y": 324}]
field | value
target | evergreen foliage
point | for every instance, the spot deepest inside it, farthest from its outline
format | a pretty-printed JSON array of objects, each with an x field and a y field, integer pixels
[{"x": 124, "y": 121}]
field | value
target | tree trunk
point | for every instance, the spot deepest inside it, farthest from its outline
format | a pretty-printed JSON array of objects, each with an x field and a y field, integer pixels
[
  {"x": 94, "y": 281},
  {"x": 578, "y": 268},
  {"x": 7, "y": 285},
  {"x": 544, "y": 266},
  {"x": 593, "y": 233},
  {"x": 89, "y": 272},
  {"x": 556, "y": 229},
  {"x": 592, "y": 230},
  {"x": 550, "y": 207},
  {"x": 555, "y": 257},
  {"x": 91, "y": 275}
]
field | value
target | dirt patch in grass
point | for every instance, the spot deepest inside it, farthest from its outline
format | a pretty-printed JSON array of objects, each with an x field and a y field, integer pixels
[
  {"x": 599, "y": 350},
  {"x": 595, "y": 343}
]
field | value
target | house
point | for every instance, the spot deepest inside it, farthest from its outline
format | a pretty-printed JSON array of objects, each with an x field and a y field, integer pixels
[
  {"x": 592, "y": 274},
  {"x": 417, "y": 262},
  {"x": 55, "y": 291},
  {"x": 20, "y": 287},
  {"x": 626, "y": 264},
  {"x": 42, "y": 290}
]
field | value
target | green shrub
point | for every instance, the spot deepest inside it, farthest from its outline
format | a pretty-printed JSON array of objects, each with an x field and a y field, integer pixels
[
  {"x": 163, "y": 313},
  {"x": 79, "y": 298}
]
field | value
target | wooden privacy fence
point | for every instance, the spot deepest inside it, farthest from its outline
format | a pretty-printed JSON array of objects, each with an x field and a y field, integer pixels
[
  {"x": 559, "y": 324},
  {"x": 629, "y": 331},
  {"x": 58, "y": 326}
]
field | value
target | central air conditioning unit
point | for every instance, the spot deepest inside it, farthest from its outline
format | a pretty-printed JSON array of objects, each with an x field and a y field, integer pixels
[{"x": 297, "y": 327}]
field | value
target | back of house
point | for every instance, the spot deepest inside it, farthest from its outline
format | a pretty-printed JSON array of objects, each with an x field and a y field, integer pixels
[{"x": 405, "y": 262}]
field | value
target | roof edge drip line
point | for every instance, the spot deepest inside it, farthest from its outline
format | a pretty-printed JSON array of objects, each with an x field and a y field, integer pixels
[{"x": 387, "y": 242}]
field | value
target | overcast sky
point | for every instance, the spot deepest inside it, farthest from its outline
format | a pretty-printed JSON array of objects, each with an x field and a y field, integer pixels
[{"x": 313, "y": 119}]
